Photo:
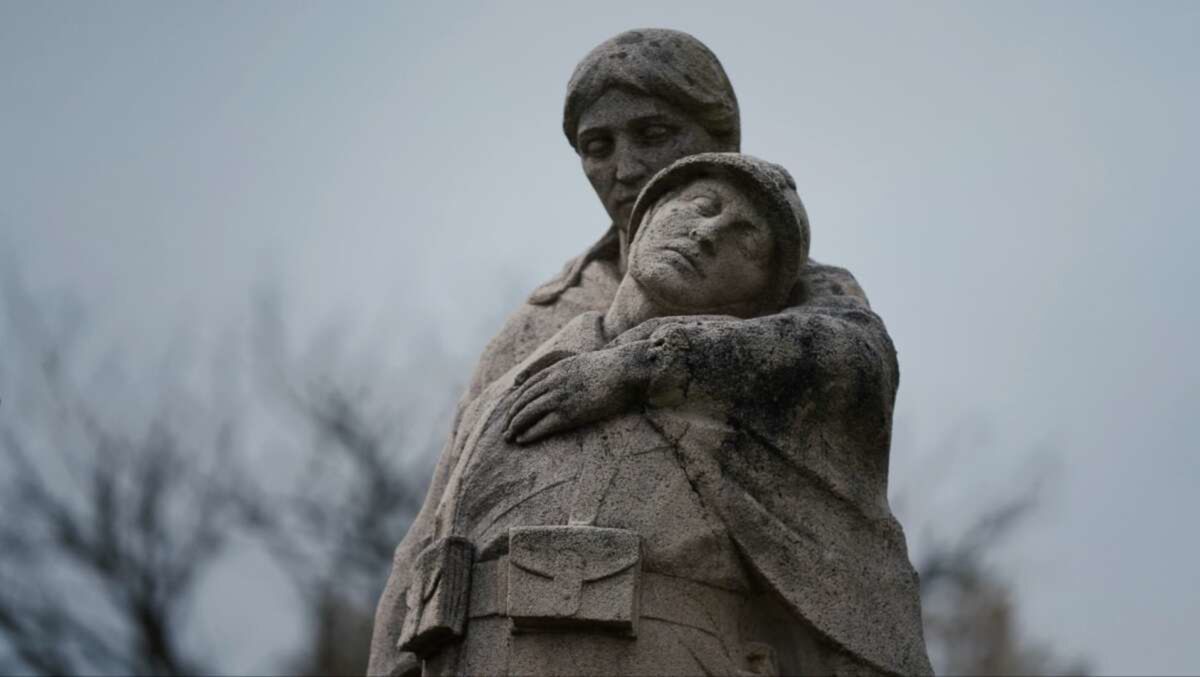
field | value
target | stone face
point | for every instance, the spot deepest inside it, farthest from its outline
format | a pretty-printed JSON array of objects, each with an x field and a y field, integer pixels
[{"x": 673, "y": 459}]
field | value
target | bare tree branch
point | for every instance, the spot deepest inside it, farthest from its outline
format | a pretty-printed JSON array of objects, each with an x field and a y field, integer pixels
[{"x": 112, "y": 533}]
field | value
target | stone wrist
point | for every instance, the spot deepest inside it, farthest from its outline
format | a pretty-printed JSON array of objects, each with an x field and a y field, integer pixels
[{"x": 667, "y": 366}]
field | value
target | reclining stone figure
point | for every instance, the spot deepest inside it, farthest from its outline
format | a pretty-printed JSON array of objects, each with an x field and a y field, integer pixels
[{"x": 735, "y": 522}]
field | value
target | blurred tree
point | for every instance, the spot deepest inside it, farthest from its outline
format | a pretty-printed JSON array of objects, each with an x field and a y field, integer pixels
[
  {"x": 111, "y": 521},
  {"x": 370, "y": 461},
  {"x": 107, "y": 528},
  {"x": 970, "y": 614}
]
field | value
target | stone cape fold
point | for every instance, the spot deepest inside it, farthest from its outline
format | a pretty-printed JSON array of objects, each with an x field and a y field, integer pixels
[{"x": 826, "y": 548}]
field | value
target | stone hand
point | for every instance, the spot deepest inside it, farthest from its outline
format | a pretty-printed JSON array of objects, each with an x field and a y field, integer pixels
[
  {"x": 659, "y": 328},
  {"x": 578, "y": 390}
]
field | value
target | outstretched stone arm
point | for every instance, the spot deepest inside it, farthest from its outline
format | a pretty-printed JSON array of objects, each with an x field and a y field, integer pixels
[
  {"x": 828, "y": 348},
  {"x": 828, "y": 342},
  {"x": 834, "y": 353}
]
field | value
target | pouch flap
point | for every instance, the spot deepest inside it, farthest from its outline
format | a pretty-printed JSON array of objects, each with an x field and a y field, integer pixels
[
  {"x": 589, "y": 552},
  {"x": 573, "y": 576}
]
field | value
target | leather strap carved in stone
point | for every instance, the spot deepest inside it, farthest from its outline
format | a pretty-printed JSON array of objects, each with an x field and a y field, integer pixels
[
  {"x": 599, "y": 465},
  {"x": 600, "y": 458}
]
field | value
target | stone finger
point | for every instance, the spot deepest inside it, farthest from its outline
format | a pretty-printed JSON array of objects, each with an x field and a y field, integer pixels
[
  {"x": 529, "y": 415},
  {"x": 548, "y": 425},
  {"x": 533, "y": 391}
]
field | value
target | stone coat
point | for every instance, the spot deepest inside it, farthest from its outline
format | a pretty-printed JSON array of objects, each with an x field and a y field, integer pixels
[
  {"x": 799, "y": 480},
  {"x": 619, "y": 473}
]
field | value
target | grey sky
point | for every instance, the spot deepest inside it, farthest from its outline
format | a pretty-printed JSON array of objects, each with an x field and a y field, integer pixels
[{"x": 1014, "y": 185}]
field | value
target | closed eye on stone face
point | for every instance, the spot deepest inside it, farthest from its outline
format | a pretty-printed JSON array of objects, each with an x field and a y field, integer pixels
[
  {"x": 707, "y": 204},
  {"x": 596, "y": 146},
  {"x": 655, "y": 133}
]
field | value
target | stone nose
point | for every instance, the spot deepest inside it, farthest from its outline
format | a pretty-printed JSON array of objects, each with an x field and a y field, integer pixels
[
  {"x": 630, "y": 169},
  {"x": 704, "y": 234}
]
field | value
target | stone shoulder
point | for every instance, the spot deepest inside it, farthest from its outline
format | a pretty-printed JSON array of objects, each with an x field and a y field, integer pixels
[
  {"x": 820, "y": 282},
  {"x": 531, "y": 323}
]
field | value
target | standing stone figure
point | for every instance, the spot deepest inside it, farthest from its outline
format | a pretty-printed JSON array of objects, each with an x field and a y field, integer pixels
[{"x": 673, "y": 459}]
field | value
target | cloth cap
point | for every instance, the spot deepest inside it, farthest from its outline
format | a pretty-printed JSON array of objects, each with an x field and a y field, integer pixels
[{"x": 773, "y": 191}]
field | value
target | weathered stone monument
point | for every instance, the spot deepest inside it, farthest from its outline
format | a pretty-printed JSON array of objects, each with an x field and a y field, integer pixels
[{"x": 673, "y": 459}]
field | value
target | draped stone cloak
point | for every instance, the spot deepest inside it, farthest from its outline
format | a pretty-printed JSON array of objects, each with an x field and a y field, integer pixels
[{"x": 784, "y": 431}]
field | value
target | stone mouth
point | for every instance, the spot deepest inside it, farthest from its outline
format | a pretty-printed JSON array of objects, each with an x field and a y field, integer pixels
[{"x": 686, "y": 255}]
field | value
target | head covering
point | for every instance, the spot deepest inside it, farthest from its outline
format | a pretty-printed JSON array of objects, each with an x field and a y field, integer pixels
[
  {"x": 769, "y": 186},
  {"x": 670, "y": 65},
  {"x": 666, "y": 64}
]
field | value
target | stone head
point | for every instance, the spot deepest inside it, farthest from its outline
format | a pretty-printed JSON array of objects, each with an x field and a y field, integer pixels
[
  {"x": 638, "y": 102},
  {"x": 719, "y": 233}
]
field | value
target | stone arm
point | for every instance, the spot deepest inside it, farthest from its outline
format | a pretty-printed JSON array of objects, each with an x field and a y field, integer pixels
[
  {"x": 831, "y": 351},
  {"x": 827, "y": 350},
  {"x": 828, "y": 347}
]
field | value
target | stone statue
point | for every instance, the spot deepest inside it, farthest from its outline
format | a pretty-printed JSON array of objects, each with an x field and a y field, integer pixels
[{"x": 673, "y": 458}]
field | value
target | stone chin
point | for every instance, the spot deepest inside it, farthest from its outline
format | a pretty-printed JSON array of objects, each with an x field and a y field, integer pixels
[
  {"x": 679, "y": 289},
  {"x": 668, "y": 281}
]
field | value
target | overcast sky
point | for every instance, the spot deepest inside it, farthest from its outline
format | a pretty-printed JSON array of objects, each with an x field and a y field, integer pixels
[{"x": 1015, "y": 186}]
